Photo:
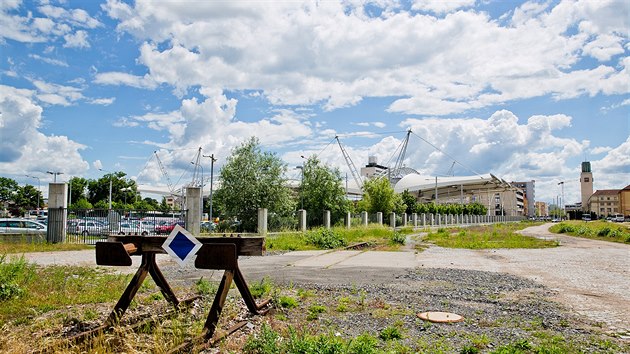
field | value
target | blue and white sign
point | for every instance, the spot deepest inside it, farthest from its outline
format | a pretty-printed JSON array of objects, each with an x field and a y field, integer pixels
[{"x": 181, "y": 245}]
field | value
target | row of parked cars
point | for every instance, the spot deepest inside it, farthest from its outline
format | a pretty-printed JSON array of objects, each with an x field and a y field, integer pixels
[{"x": 93, "y": 227}]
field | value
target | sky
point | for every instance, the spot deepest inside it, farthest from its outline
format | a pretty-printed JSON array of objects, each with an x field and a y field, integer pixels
[{"x": 525, "y": 90}]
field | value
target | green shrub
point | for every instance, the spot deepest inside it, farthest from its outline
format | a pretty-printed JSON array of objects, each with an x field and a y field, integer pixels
[
  {"x": 287, "y": 302},
  {"x": 204, "y": 287},
  {"x": 398, "y": 239},
  {"x": 13, "y": 277},
  {"x": 261, "y": 288},
  {"x": 314, "y": 311},
  {"x": 390, "y": 333},
  {"x": 469, "y": 349},
  {"x": 265, "y": 343},
  {"x": 363, "y": 344},
  {"x": 325, "y": 239}
]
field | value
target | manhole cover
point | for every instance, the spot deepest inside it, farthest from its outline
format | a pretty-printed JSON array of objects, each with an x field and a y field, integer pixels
[{"x": 440, "y": 317}]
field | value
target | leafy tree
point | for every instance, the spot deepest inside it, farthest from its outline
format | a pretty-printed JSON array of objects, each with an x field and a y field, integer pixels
[
  {"x": 26, "y": 198},
  {"x": 378, "y": 195},
  {"x": 80, "y": 204},
  {"x": 78, "y": 186},
  {"x": 164, "y": 207},
  {"x": 410, "y": 202},
  {"x": 253, "y": 179},
  {"x": 8, "y": 187},
  {"x": 322, "y": 189},
  {"x": 122, "y": 188}
]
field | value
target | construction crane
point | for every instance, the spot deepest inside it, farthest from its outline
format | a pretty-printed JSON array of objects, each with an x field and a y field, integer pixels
[
  {"x": 165, "y": 174},
  {"x": 353, "y": 169},
  {"x": 451, "y": 172},
  {"x": 197, "y": 180},
  {"x": 397, "y": 170}
]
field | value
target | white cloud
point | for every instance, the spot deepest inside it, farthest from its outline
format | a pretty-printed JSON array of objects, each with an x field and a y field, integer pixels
[
  {"x": 97, "y": 164},
  {"x": 29, "y": 150},
  {"x": 49, "y": 60},
  {"x": 76, "y": 40},
  {"x": 118, "y": 78},
  {"x": 57, "y": 94},
  {"x": 600, "y": 150},
  {"x": 441, "y": 7},
  {"x": 102, "y": 101},
  {"x": 297, "y": 53}
]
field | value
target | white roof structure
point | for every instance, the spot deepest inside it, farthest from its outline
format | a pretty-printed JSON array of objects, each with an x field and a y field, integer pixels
[{"x": 416, "y": 182}]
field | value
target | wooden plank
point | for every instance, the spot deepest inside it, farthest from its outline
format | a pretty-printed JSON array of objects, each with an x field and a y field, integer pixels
[
  {"x": 245, "y": 246},
  {"x": 217, "y": 256},
  {"x": 112, "y": 254}
]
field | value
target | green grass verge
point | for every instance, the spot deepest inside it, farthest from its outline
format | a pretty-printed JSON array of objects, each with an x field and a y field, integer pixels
[
  {"x": 337, "y": 237},
  {"x": 485, "y": 237},
  {"x": 18, "y": 248},
  {"x": 596, "y": 230},
  {"x": 27, "y": 291}
]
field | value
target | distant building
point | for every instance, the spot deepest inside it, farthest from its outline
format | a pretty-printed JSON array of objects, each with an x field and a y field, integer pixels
[
  {"x": 624, "y": 201},
  {"x": 605, "y": 202},
  {"x": 529, "y": 203},
  {"x": 541, "y": 209},
  {"x": 372, "y": 168},
  {"x": 586, "y": 184}
]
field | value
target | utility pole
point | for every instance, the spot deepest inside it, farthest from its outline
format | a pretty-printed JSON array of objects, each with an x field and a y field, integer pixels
[
  {"x": 562, "y": 200},
  {"x": 39, "y": 187},
  {"x": 212, "y": 160}
]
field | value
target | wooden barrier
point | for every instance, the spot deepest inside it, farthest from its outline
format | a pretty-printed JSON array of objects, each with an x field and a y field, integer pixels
[{"x": 216, "y": 253}]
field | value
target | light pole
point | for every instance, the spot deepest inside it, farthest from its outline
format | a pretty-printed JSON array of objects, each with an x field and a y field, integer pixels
[
  {"x": 110, "y": 187},
  {"x": 562, "y": 184},
  {"x": 201, "y": 184},
  {"x": 212, "y": 160},
  {"x": 301, "y": 168},
  {"x": 55, "y": 174},
  {"x": 39, "y": 187}
]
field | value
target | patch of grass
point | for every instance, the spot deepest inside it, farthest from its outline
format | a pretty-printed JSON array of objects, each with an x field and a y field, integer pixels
[
  {"x": 398, "y": 239},
  {"x": 390, "y": 333},
  {"x": 597, "y": 230},
  {"x": 205, "y": 287},
  {"x": 261, "y": 288},
  {"x": 18, "y": 248},
  {"x": 325, "y": 239},
  {"x": 287, "y": 302},
  {"x": 493, "y": 236},
  {"x": 363, "y": 344},
  {"x": 314, "y": 311}
]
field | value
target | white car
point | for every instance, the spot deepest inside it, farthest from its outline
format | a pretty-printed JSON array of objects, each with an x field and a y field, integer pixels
[
  {"x": 21, "y": 226},
  {"x": 134, "y": 228}
]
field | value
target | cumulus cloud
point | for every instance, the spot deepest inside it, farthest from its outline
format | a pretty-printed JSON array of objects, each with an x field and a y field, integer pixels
[
  {"x": 55, "y": 94},
  {"x": 315, "y": 54},
  {"x": 119, "y": 78},
  {"x": 28, "y": 149},
  {"x": 49, "y": 60},
  {"x": 76, "y": 40}
]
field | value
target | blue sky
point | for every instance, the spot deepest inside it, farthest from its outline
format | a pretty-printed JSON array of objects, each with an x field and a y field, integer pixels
[{"x": 522, "y": 90}]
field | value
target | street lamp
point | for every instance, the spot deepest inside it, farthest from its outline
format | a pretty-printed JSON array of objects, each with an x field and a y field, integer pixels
[
  {"x": 212, "y": 160},
  {"x": 301, "y": 168},
  {"x": 55, "y": 174},
  {"x": 39, "y": 187},
  {"x": 563, "y": 203},
  {"x": 110, "y": 187},
  {"x": 198, "y": 165}
]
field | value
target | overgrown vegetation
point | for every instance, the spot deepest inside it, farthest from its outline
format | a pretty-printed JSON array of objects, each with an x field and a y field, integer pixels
[
  {"x": 484, "y": 237},
  {"x": 17, "y": 248},
  {"x": 338, "y": 237},
  {"x": 597, "y": 230}
]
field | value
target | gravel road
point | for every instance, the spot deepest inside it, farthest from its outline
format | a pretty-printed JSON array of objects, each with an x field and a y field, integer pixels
[{"x": 588, "y": 276}]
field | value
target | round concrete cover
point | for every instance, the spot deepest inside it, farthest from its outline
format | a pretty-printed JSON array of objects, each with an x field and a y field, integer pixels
[{"x": 440, "y": 317}]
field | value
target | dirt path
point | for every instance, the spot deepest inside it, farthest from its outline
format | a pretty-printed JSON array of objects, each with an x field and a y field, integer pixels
[{"x": 591, "y": 277}]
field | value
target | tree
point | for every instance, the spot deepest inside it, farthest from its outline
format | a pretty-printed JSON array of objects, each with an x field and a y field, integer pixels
[
  {"x": 81, "y": 204},
  {"x": 322, "y": 189},
  {"x": 78, "y": 187},
  {"x": 378, "y": 195},
  {"x": 8, "y": 188},
  {"x": 164, "y": 207},
  {"x": 253, "y": 179},
  {"x": 98, "y": 190},
  {"x": 27, "y": 197},
  {"x": 410, "y": 202}
]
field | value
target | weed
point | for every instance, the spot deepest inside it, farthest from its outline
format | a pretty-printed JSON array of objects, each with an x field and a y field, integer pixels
[
  {"x": 469, "y": 349},
  {"x": 303, "y": 294},
  {"x": 265, "y": 343},
  {"x": 363, "y": 344},
  {"x": 390, "y": 333},
  {"x": 398, "y": 239},
  {"x": 314, "y": 311},
  {"x": 343, "y": 304},
  {"x": 205, "y": 287},
  {"x": 287, "y": 302},
  {"x": 261, "y": 288},
  {"x": 325, "y": 239}
]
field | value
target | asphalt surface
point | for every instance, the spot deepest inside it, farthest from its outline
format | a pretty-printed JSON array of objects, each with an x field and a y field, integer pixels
[{"x": 591, "y": 277}]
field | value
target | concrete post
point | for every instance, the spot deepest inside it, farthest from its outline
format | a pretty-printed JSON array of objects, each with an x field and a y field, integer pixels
[
  {"x": 432, "y": 219},
  {"x": 262, "y": 221},
  {"x": 379, "y": 218},
  {"x": 404, "y": 219},
  {"x": 57, "y": 212},
  {"x": 193, "y": 214},
  {"x": 392, "y": 219},
  {"x": 364, "y": 218},
  {"x": 424, "y": 219},
  {"x": 302, "y": 217},
  {"x": 414, "y": 220},
  {"x": 327, "y": 219},
  {"x": 348, "y": 220}
]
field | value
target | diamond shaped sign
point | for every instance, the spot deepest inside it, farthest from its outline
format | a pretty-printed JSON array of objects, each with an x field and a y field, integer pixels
[{"x": 181, "y": 245}]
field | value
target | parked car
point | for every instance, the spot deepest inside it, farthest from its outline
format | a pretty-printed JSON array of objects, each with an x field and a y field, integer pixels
[
  {"x": 207, "y": 226},
  {"x": 87, "y": 227},
  {"x": 167, "y": 227},
  {"x": 21, "y": 226},
  {"x": 618, "y": 218},
  {"x": 134, "y": 228},
  {"x": 586, "y": 217}
]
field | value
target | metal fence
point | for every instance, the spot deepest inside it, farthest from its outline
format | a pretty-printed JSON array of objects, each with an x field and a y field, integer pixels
[{"x": 92, "y": 225}]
